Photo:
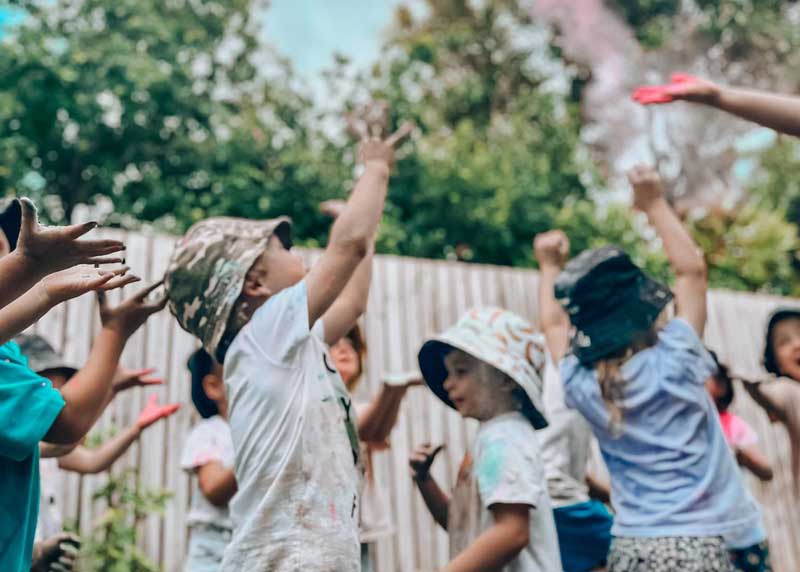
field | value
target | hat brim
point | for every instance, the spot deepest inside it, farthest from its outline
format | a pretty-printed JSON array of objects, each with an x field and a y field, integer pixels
[
  {"x": 619, "y": 328},
  {"x": 431, "y": 364}
]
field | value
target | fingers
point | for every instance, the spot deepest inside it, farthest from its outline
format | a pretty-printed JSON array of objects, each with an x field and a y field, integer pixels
[
  {"x": 151, "y": 381},
  {"x": 152, "y": 401},
  {"x": 402, "y": 133},
  {"x": 119, "y": 282},
  {"x": 103, "y": 260},
  {"x": 168, "y": 410},
  {"x": 75, "y": 231},
  {"x": 436, "y": 451},
  {"x": 29, "y": 215},
  {"x": 145, "y": 292},
  {"x": 99, "y": 247}
]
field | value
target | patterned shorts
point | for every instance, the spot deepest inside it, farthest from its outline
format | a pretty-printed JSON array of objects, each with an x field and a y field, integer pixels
[
  {"x": 752, "y": 559},
  {"x": 669, "y": 554}
]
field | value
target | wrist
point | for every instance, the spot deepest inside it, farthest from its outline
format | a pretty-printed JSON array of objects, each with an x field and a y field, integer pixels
[
  {"x": 422, "y": 478},
  {"x": 378, "y": 166},
  {"x": 656, "y": 206},
  {"x": 551, "y": 266}
]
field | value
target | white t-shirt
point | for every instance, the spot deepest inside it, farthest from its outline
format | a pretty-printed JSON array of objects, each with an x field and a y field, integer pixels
[
  {"x": 505, "y": 467},
  {"x": 566, "y": 444},
  {"x": 209, "y": 441},
  {"x": 293, "y": 428}
]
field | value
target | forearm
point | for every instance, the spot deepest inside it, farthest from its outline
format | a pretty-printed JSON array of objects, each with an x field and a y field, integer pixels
[
  {"x": 778, "y": 112},
  {"x": 86, "y": 394},
  {"x": 767, "y": 402},
  {"x": 553, "y": 319},
  {"x": 91, "y": 461},
  {"x": 435, "y": 499},
  {"x": 17, "y": 276},
  {"x": 752, "y": 459},
  {"x": 490, "y": 552},
  {"x": 376, "y": 421},
  {"x": 683, "y": 253},
  {"x": 359, "y": 221},
  {"x": 23, "y": 312},
  {"x": 48, "y": 450}
]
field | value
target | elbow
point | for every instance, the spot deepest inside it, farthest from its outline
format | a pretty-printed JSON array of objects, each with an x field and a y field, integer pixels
[
  {"x": 518, "y": 539},
  {"x": 696, "y": 269},
  {"x": 214, "y": 495}
]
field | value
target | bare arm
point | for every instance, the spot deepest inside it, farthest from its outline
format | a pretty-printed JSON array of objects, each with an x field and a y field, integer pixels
[
  {"x": 87, "y": 461},
  {"x": 48, "y": 450},
  {"x": 598, "y": 489},
  {"x": 343, "y": 314},
  {"x": 498, "y": 545},
  {"x": 43, "y": 250},
  {"x": 87, "y": 392},
  {"x": 752, "y": 459},
  {"x": 551, "y": 249},
  {"x": 353, "y": 231},
  {"x": 435, "y": 499},
  {"x": 376, "y": 420},
  {"x": 684, "y": 256},
  {"x": 776, "y": 111},
  {"x": 770, "y": 403},
  {"x": 217, "y": 483}
]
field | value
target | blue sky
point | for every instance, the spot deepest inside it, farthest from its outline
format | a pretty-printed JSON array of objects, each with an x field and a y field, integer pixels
[{"x": 309, "y": 32}]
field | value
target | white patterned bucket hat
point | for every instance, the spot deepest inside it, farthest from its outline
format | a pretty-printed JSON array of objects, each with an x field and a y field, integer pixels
[{"x": 499, "y": 338}]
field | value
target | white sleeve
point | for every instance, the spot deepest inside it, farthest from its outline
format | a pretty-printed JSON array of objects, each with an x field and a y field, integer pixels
[
  {"x": 201, "y": 448},
  {"x": 509, "y": 470},
  {"x": 281, "y": 324}
]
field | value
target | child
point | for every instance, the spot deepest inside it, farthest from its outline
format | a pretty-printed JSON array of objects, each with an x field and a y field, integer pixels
[
  {"x": 778, "y": 112},
  {"x": 33, "y": 280},
  {"x": 781, "y": 398},
  {"x": 487, "y": 367},
  {"x": 208, "y": 454},
  {"x": 740, "y": 436},
  {"x": 46, "y": 362},
  {"x": 237, "y": 286},
  {"x": 676, "y": 490}
]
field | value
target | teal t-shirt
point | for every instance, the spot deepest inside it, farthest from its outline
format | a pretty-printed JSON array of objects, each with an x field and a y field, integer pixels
[{"x": 28, "y": 407}]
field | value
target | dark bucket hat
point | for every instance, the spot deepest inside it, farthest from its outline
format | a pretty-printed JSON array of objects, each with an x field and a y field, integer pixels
[
  {"x": 42, "y": 356},
  {"x": 11, "y": 221},
  {"x": 609, "y": 301},
  {"x": 779, "y": 315},
  {"x": 200, "y": 364}
]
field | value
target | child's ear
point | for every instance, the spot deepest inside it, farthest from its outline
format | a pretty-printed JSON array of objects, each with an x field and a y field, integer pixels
[{"x": 213, "y": 387}]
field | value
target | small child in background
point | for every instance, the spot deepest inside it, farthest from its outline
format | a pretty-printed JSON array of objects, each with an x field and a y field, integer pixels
[
  {"x": 488, "y": 367},
  {"x": 77, "y": 458},
  {"x": 676, "y": 489},
  {"x": 781, "y": 398},
  {"x": 741, "y": 438},
  {"x": 208, "y": 454}
]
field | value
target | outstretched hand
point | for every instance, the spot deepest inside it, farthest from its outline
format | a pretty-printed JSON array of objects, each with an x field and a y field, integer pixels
[
  {"x": 374, "y": 149},
  {"x": 56, "y": 554},
  {"x": 647, "y": 187},
  {"x": 421, "y": 460},
  {"x": 55, "y": 248},
  {"x": 129, "y": 378},
  {"x": 551, "y": 248},
  {"x": 73, "y": 282},
  {"x": 153, "y": 412},
  {"x": 131, "y": 313},
  {"x": 681, "y": 87}
]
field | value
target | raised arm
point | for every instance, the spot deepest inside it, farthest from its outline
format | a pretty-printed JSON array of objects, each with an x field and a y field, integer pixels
[
  {"x": 552, "y": 249},
  {"x": 43, "y": 250},
  {"x": 343, "y": 314},
  {"x": 776, "y": 111},
  {"x": 684, "y": 256},
  {"x": 435, "y": 499},
  {"x": 354, "y": 230},
  {"x": 377, "y": 419},
  {"x": 86, "y": 394},
  {"x": 55, "y": 289}
]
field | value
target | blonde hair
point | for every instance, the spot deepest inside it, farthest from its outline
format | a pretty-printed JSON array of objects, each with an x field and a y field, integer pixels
[{"x": 611, "y": 380}]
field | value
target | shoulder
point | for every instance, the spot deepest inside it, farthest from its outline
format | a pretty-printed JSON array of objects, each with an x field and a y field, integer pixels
[{"x": 507, "y": 436}]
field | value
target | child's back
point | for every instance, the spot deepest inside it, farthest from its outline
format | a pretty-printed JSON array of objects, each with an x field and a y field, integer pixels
[{"x": 673, "y": 474}]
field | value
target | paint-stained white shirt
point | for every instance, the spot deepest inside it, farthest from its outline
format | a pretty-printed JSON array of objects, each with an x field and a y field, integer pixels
[
  {"x": 505, "y": 467},
  {"x": 293, "y": 428}
]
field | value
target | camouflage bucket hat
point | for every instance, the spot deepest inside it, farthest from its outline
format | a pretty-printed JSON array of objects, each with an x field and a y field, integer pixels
[
  {"x": 42, "y": 356},
  {"x": 208, "y": 268},
  {"x": 499, "y": 338}
]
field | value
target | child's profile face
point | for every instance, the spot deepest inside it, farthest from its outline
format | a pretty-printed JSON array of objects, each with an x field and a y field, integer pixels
[
  {"x": 345, "y": 360},
  {"x": 277, "y": 268},
  {"x": 786, "y": 344},
  {"x": 476, "y": 390}
]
